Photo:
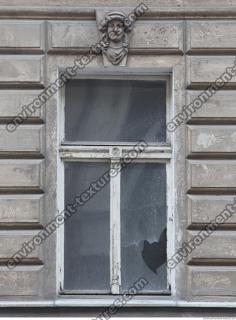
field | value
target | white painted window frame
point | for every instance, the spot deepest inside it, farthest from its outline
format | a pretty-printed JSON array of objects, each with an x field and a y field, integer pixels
[{"x": 159, "y": 153}]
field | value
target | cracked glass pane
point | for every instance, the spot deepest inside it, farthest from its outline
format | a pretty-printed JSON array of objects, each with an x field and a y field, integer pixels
[{"x": 143, "y": 226}]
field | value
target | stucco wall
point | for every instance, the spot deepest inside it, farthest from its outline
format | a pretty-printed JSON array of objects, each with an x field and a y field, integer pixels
[{"x": 193, "y": 42}]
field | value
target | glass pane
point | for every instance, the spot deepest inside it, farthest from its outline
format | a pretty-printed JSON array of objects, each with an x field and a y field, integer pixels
[
  {"x": 115, "y": 110},
  {"x": 87, "y": 238},
  {"x": 143, "y": 226}
]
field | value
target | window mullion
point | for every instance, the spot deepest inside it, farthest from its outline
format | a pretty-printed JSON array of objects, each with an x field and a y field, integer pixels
[{"x": 115, "y": 254}]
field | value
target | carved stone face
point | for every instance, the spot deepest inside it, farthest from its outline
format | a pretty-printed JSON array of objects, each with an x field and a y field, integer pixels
[{"x": 115, "y": 30}]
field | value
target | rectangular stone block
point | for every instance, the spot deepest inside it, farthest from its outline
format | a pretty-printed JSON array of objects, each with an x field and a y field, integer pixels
[
  {"x": 220, "y": 105},
  {"x": 23, "y": 35},
  {"x": 217, "y": 246},
  {"x": 202, "y": 209},
  {"x": 21, "y": 69},
  {"x": 12, "y": 241},
  {"x": 21, "y": 173},
  {"x": 204, "y": 70},
  {"x": 211, "y": 36},
  {"x": 211, "y": 174},
  {"x": 24, "y": 138},
  {"x": 79, "y": 34},
  {"x": 160, "y": 35},
  {"x": 213, "y": 281},
  {"x": 12, "y": 101},
  {"x": 212, "y": 138},
  {"x": 21, "y": 208},
  {"x": 24, "y": 282}
]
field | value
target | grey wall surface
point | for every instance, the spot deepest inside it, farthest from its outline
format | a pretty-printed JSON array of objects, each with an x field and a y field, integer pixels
[{"x": 195, "y": 42}]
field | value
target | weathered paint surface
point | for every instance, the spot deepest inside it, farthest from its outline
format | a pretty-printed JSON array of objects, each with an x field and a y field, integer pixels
[{"x": 174, "y": 39}]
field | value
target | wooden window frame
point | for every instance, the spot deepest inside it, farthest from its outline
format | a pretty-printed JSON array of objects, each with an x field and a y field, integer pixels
[{"x": 155, "y": 153}]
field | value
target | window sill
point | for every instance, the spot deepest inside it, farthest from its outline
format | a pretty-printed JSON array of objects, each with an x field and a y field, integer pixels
[
  {"x": 99, "y": 302},
  {"x": 105, "y": 301}
]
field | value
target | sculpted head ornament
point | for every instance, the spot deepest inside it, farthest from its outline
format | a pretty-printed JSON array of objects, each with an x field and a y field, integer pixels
[{"x": 115, "y": 27}]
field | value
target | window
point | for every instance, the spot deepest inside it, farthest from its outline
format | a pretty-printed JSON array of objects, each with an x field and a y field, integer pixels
[{"x": 119, "y": 234}]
